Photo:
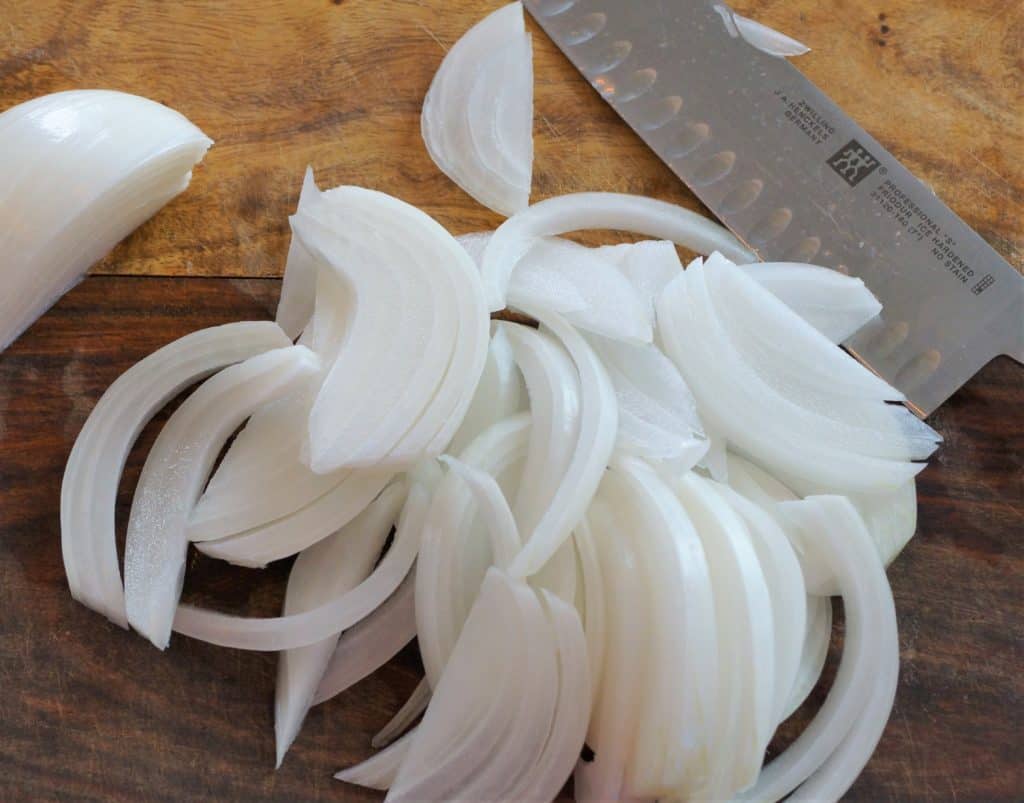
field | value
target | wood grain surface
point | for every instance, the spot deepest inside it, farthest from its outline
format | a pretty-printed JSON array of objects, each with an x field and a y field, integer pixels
[{"x": 90, "y": 712}]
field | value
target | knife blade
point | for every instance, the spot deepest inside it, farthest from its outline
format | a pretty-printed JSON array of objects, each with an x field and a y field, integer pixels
[{"x": 797, "y": 180}]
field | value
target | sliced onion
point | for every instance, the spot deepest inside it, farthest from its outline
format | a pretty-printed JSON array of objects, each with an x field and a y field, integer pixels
[
  {"x": 595, "y": 604},
  {"x": 588, "y": 289},
  {"x": 768, "y": 40},
  {"x": 371, "y": 643},
  {"x": 649, "y": 265},
  {"x": 833, "y": 749},
  {"x": 478, "y": 114},
  {"x": 499, "y": 394},
  {"x": 476, "y": 699},
  {"x": 743, "y": 618},
  {"x": 174, "y": 471},
  {"x": 615, "y": 717},
  {"x": 835, "y": 304},
  {"x": 438, "y": 584},
  {"x": 813, "y": 654},
  {"x": 657, "y": 413},
  {"x": 749, "y": 393},
  {"x": 396, "y": 392},
  {"x": 291, "y": 534},
  {"x": 321, "y": 573},
  {"x": 89, "y": 488},
  {"x": 298, "y": 290},
  {"x": 302, "y": 629},
  {"x": 410, "y": 711},
  {"x": 82, "y": 169},
  {"x": 493, "y": 507},
  {"x": 380, "y": 769},
  {"x": 596, "y": 439},
  {"x": 597, "y": 210}
]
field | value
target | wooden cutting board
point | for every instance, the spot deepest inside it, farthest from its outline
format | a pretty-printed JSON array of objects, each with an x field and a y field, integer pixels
[{"x": 89, "y": 712}]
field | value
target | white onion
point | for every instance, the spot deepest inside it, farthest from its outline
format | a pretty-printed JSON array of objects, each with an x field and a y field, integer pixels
[
  {"x": 589, "y": 290},
  {"x": 298, "y": 290},
  {"x": 597, "y": 210},
  {"x": 817, "y": 638},
  {"x": 89, "y": 487},
  {"x": 833, "y": 303},
  {"x": 82, "y": 169},
  {"x": 302, "y": 629},
  {"x": 380, "y": 769},
  {"x": 371, "y": 643},
  {"x": 321, "y": 573},
  {"x": 649, "y": 265},
  {"x": 179, "y": 461},
  {"x": 834, "y": 747},
  {"x": 829, "y": 425},
  {"x": 417, "y": 341},
  {"x": 595, "y": 441},
  {"x": 765, "y": 39},
  {"x": 410, "y": 711},
  {"x": 478, "y": 114}
]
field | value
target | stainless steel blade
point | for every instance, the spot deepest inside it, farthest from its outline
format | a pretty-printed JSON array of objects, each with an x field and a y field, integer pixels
[{"x": 796, "y": 179}]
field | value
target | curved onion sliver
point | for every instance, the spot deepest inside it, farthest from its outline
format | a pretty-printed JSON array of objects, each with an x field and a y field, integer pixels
[
  {"x": 410, "y": 711},
  {"x": 477, "y": 116},
  {"x": 326, "y": 570},
  {"x": 298, "y": 290},
  {"x": 499, "y": 394},
  {"x": 417, "y": 341},
  {"x": 657, "y": 413},
  {"x": 82, "y": 170},
  {"x": 291, "y": 534},
  {"x": 597, "y": 210},
  {"x": 768, "y": 40},
  {"x": 588, "y": 289},
  {"x": 834, "y": 747},
  {"x": 799, "y": 428},
  {"x": 380, "y": 769},
  {"x": 595, "y": 441},
  {"x": 817, "y": 638},
  {"x": 181, "y": 458},
  {"x": 302, "y": 629},
  {"x": 649, "y": 265},
  {"x": 439, "y": 619},
  {"x": 371, "y": 643},
  {"x": 835, "y": 304},
  {"x": 89, "y": 487}
]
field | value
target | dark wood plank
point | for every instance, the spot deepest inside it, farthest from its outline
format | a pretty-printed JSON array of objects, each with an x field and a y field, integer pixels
[{"x": 91, "y": 712}]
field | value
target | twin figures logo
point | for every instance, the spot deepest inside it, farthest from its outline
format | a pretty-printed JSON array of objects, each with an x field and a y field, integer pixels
[{"x": 852, "y": 163}]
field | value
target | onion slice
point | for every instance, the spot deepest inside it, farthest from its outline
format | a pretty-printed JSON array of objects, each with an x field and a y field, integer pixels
[
  {"x": 478, "y": 113},
  {"x": 597, "y": 210},
  {"x": 298, "y": 290},
  {"x": 833, "y": 749},
  {"x": 89, "y": 487},
  {"x": 410, "y": 711},
  {"x": 595, "y": 442},
  {"x": 417, "y": 341},
  {"x": 326, "y": 570},
  {"x": 833, "y": 303},
  {"x": 82, "y": 169},
  {"x": 380, "y": 769},
  {"x": 174, "y": 471},
  {"x": 302, "y": 629},
  {"x": 371, "y": 643}
]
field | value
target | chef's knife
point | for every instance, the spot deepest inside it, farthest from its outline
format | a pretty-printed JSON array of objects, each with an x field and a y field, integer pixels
[{"x": 797, "y": 180}]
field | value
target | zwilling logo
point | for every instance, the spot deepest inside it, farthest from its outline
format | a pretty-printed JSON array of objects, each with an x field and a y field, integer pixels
[{"x": 853, "y": 163}]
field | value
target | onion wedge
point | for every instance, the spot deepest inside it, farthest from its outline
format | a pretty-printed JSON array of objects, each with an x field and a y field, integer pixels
[
  {"x": 833, "y": 303},
  {"x": 326, "y": 570},
  {"x": 302, "y": 629},
  {"x": 396, "y": 392},
  {"x": 368, "y": 645},
  {"x": 597, "y": 210},
  {"x": 477, "y": 117},
  {"x": 298, "y": 290},
  {"x": 833, "y": 749},
  {"x": 380, "y": 769},
  {"x": 82, "y": 170},
  {"x": 174, "y": 471},
  {"x": 89, "y": 488}
]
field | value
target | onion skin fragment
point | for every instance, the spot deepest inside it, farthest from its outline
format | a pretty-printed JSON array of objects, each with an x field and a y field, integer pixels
[
  {"x": 178, "y": 464},
  {"x": 83, "y": 169},
  {"x": 94, "y": 468}
]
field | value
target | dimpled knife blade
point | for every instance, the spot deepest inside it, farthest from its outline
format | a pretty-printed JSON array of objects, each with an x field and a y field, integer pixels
[{"x": 797, "y": 180}]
